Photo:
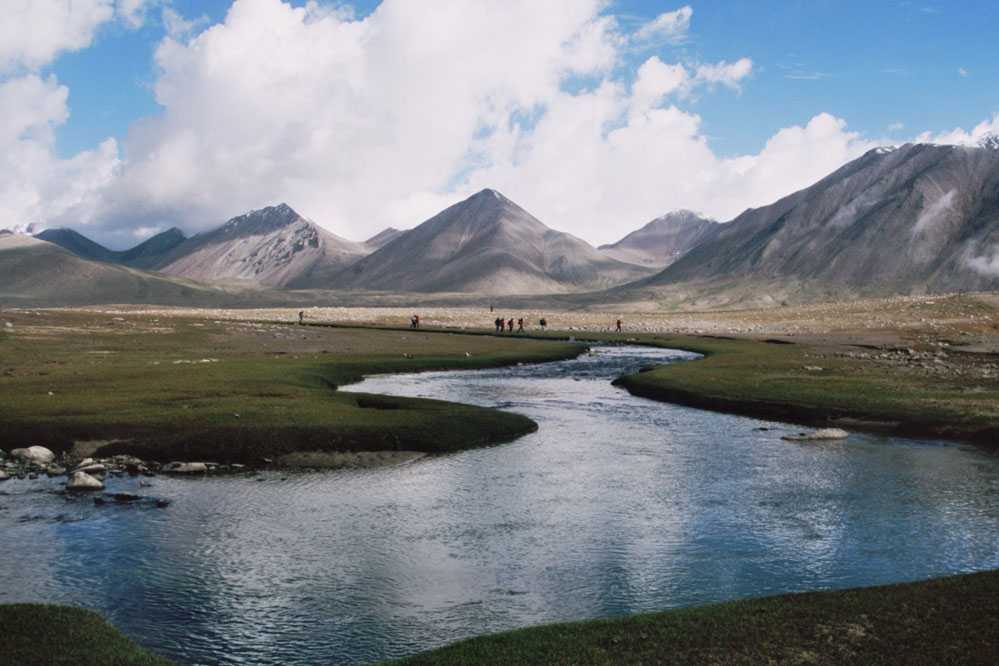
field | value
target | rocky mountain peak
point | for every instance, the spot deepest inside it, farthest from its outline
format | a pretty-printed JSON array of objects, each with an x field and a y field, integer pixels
[{"x": 990, "y": 141}]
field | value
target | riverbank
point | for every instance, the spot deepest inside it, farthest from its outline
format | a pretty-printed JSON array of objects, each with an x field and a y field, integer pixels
[
  {"x": 946, "y": 620},
  {"x": 47, "y": 635},
  {"x": 180, "y": 388}
]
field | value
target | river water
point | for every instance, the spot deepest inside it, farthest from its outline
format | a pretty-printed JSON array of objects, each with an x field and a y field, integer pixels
[{"x": 616, "y": 505}]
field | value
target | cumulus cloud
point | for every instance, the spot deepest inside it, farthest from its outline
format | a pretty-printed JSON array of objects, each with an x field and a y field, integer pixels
[
  {"x": 961, "y": 137},
  {"x": 33, "y": 32},
  {"x": 668, "y": 26},
  {"x": 728, "y": 74},
  {"x": 133, "y": 12}
]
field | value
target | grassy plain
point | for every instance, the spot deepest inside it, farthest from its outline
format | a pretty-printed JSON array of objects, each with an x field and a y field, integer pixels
[{"x": 203, "y": 389}]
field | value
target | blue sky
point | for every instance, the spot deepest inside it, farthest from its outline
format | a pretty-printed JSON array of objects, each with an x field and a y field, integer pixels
[{"x": 873, "y": 64}]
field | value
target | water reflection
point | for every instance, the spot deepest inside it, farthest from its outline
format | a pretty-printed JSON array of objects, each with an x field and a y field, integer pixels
[{"x": 615, "y": 505}]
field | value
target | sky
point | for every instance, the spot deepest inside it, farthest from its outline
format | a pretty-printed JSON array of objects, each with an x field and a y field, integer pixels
[{"x": 122, "y": 118}]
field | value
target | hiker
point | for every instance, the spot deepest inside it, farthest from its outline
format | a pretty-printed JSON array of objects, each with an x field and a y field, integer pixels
[
  {"x": 417, "y": 318},
  {"x": 544, "y": 323},
  {"x": 413, "y": 322},
  {"x": 498, "y": 323},
  {"x": 301, "y": 317},
  {"x": 619, "y": 322},
  {"x": 490, "y": 308},
  {"x": 509, "y": 325},
  {"x": 520, "y": 325}
]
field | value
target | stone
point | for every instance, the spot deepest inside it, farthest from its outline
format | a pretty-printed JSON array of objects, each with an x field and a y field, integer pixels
[
  {"x": 93, "y": 468},
  {"x": 185, "y": 468},
  {"x": 83, "y": 481},
  {"x": 35, "y": 454},
  {"x": 817, "y": 435},
  {"x": 162, "y": 503},
  {"x": 3, "y": 475},
  {"x": 126, "y": 497},
  {"x": 55, "y": 470}
]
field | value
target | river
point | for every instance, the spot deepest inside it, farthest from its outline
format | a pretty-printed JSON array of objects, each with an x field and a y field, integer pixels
[{"x": 616, "y": 505}]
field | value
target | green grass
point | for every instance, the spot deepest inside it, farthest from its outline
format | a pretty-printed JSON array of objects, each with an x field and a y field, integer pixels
[
  {"x": 943, "y": 621},
  {"x": 268, "y": 389},
  {"x": 43, "y": 635}
]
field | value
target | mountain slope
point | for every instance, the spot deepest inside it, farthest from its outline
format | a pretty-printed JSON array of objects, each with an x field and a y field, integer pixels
[
  {"x": 34, "y": 271},
  {"x": 382, "y": 238},
  {"x": 273, "y": 246},
  {"x": 144, "y": 255},
  {"x": 918, "y": 218},
  {"x": 487, "y": 244},
  {"x": 663, "y": 240}
]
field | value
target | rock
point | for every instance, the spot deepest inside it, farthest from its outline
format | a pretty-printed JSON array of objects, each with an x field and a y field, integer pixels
[
  {"x": 162, "y": 503},
  {"x": 185, "y": 468},
  {"x": 93, "y": 468},
  {"x": 822, "y": 434},
  {"x": 35, "y": 454},
  {"x": 83, "y": 481},
  {"x": 55, "y": 470},
  {"x": 126, "y": 497},
  {"x": 3, "y": 475}
]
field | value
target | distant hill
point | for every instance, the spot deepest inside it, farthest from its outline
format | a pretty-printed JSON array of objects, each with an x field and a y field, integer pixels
[
  {"x": 144, "y": 255},
  {"x": 487, "y": 244},
  {"x": 915, "y": 219},
  {"x": 34, "y": 271},
  {"x": 273, "y": 247},
  {"x": 663, "y": 240}
]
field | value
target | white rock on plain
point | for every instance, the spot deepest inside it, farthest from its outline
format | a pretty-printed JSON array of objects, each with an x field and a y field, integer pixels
[
  {"x": 817, "y": 435},
  {"x": 185, "y": 468},
  {"x": 83, "y": 481},
  {"x": 35, "y": 454}
]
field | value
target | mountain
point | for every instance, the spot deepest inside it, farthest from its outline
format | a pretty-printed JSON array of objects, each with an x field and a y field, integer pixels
[
  {"x": 76, "y": 243},
  {"x": 383, "y": 238},
  {"x": 487, "y": 244},
  {"x": 663, "y": 240},
  {"x": 914, "y": 219},
  {"x": 34, "y": 271},
  {"x": 274, "y": 247},
  {"x": 144, "y": 255}
]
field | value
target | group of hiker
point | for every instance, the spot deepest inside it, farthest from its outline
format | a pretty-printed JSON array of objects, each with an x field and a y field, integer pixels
[{"x": 506, "y": 325}]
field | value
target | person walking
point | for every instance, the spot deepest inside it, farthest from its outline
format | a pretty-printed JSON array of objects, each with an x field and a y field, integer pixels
[
  {"x": 619, "y": 323},
  {"x": 412, "y": 322},
  {"x": 520, "y": 325},
  {"x": 301, "y": 317},
  {"x": 544, "y": 323},
  {"x": 509, "y": 325}
]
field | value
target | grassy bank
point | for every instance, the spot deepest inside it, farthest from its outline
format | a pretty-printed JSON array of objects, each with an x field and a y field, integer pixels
[
  {"x": 43, "y": 635},
  {"x": 802, "y": 383},
  {"x": 174, "y": 388},
  {"x": 944, "y": 621}
]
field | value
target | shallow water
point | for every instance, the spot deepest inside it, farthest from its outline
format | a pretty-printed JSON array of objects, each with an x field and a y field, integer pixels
[{"x": 616, "y": 505}]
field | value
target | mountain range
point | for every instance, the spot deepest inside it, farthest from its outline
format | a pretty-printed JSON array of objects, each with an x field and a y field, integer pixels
[{"x": 918, "y": 218}]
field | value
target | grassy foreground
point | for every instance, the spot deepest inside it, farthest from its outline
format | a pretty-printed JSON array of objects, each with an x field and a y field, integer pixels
[
  {"x": 43, "y": 635},
  {"x": 190, "y": 389},
  {"x": 943, "y": 621}
]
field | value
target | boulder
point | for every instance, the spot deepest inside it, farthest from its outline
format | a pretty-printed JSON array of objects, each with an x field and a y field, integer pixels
[
  {"x": 816, "y": 435},
  {"x": 83, "y": 481},
  {"x": 92, "y": 468},
  {"x": 185, "y": 468},
  {"x": 55, "y": 470},
  {"x": 35, "y": 454},
  {"x": 3, "y": 475}
]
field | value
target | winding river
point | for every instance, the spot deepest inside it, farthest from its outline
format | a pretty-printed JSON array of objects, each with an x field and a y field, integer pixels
[{"x": 616, "y": 505}]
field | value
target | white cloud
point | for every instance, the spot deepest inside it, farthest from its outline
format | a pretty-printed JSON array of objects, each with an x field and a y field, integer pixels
[
  {"x": 654, "y": 80},
  {"x": 962, "y": 72},
  {"x": 33, "y": 32},
  {"x": 961, "y": 137},
  {"x": 728, "y": 74},
  {"x": 133, "y": 12},
  {"x": 986, "y": 265},
  {"x": 35, "y": 185},
  {"x": 669, "y": 26},
  {"x": 896, "y": 127}
]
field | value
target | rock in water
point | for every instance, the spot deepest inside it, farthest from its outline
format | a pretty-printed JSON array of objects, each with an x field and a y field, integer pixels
[
  {"x": 185, "y": 468},
  {"x": 35, "y": 454},
  {"x": 3, "y": 475},
  {"x": 824, "y": 433},
  {"x": 83, "y": 481}
]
